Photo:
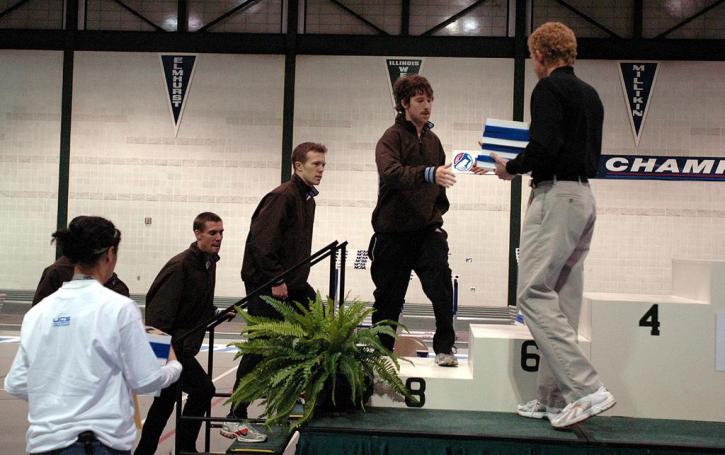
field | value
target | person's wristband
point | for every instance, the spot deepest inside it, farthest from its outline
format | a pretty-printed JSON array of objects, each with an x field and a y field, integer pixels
[{"x": 430, "y": 174}]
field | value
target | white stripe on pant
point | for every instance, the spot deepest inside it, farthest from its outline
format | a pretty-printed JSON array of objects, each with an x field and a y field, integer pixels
[{"x": 555, "y": 239}]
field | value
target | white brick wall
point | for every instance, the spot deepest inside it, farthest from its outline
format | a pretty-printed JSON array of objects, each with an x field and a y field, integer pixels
[
  {"x": 345, "y": 103},
  {"x": 126, "y": 163},
  {"x": 30, "y": 88},
  {"x": 643, "y": 224}
]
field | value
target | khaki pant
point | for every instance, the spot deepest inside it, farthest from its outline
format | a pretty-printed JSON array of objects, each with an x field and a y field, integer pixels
[{"x": 555, "y": 239}]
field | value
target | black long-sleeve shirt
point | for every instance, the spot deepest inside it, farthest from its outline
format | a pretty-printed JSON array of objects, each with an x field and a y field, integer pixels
[{"x": 565, "y": 136}]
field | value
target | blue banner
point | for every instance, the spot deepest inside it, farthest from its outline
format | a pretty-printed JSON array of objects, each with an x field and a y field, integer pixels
[
  {"x": 661, "y": 167},
  {"x": 178, "y": 71},
  {"x": 638, "y": 80},
  {"x": 398, "y": 67}
]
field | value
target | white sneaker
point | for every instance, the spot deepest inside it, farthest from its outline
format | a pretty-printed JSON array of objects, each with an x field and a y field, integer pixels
[
  {"x": 584, "y": 408},
  {"x": 535, "y": 409},
  {"x": 446, "y": 360},
  {"x": 242, "y": 432}
]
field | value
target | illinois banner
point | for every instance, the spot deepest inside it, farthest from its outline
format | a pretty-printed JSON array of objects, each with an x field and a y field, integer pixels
[
  {"x": 398, "y": 67},
  {"x": 638, "y": 82},
  {"x": 178, "y": 71}
]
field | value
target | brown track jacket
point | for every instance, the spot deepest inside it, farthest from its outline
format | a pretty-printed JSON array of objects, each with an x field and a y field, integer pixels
[
  {"x": 182, "y": 297},
  {"x": 407, "y": 202},
  {"x": 61, "y": 271},
  {"x": 280, "y": 235}
]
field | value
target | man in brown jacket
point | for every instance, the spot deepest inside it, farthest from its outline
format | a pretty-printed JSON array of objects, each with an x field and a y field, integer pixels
[
  {"x": 61, "y": 271},
  {"x": 280, "y": 236},
  {"x": 408, "y": 218},
  {"x": 180, "y": 298}
]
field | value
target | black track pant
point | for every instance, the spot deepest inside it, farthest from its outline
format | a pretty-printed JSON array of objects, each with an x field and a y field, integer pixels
[
  {"x": 394, "y": 256},
  {"x": 198, "y": 385}
]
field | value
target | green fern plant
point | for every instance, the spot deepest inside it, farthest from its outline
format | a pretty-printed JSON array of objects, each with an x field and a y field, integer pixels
[{"x": 309, "y": 348}]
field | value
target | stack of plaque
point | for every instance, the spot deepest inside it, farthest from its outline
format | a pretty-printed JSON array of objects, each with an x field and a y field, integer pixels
[
  {"x": 161, "y": 345},
  {"x": 506, "y": 138}
]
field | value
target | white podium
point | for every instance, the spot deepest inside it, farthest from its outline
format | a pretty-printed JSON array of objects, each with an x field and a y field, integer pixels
[
  {"x": 656, "y": 353},
  {"x": 499, "y": 373}
]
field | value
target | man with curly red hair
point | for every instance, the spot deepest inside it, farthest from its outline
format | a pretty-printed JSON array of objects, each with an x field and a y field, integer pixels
[{"x": 564, "y": 147}]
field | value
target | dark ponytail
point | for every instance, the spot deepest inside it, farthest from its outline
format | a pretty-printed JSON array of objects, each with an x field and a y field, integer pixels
[{"x": 86, "y": 239}]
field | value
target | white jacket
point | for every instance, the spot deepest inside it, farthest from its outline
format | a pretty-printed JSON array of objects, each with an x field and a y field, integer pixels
[{"x": 83, "y": 351}]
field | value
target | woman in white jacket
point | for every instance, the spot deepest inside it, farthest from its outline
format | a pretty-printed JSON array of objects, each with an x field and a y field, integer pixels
[{"x": 84, "y": 352}]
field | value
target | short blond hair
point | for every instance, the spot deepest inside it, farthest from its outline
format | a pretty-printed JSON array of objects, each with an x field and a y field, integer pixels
[{"x": 555, "y": 42}]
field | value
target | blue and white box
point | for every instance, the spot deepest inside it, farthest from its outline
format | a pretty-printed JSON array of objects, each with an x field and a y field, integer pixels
[
  {"x": 161, "y": 345},
  {"x": 507, "y": 138}
]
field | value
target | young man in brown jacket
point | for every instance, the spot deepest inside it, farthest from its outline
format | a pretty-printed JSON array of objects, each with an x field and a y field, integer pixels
[
  {"x": 408, "y": 218},
  {"x": 180, "y": 298},
  {"x": 61, "y": 271},
  {"x": 280, "y": 236}
]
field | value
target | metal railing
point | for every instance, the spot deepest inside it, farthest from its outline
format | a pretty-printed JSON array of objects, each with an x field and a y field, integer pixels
[{"x": 336, "y": 293}]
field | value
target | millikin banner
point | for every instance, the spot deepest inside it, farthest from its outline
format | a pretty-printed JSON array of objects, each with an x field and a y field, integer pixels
[
  {"x": 178, "y": 72},
  {"x": 638, "y": 82},
  {"x": 398, "y": 67}
]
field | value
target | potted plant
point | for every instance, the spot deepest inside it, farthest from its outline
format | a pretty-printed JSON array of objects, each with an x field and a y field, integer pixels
[{"x": 311, "y": 350}]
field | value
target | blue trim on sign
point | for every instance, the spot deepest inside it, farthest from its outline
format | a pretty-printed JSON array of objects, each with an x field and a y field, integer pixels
[
  {"x": 485, "y": 158},
  {"x": 502, "y": 148},
  {"x": 511, "y": 134},
  {"x": 161, "y": 350},
  {"x": 615, "y": 175},
  {"x": 682, "y": 169}
]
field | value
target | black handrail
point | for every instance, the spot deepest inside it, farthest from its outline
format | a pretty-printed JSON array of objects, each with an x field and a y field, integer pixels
[{"x": 337, "y": 295}]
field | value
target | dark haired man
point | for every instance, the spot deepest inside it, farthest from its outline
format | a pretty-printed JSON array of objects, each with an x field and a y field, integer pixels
[
  {"x": 61, "y": 271},
  {"x": 280, "y": 236},
  {"x": 566, "y": 141},
  {"x": 181, "y": 297},
  {"x": 408, "y": 218}
]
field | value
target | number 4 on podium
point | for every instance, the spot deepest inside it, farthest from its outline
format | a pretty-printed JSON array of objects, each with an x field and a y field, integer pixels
[{"x": 651, "y": 319}]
